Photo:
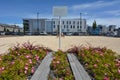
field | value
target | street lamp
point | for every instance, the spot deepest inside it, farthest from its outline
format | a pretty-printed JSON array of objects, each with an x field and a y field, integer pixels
[
  {"x": 37, "y": 22},
  {"x": 80, "y": 22}
]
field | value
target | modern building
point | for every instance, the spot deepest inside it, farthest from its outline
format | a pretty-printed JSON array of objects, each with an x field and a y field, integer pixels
[
  {"x": 52, "y": 25},
  {"x": 34, "y": 26},
  {"x": 70, "y": 26}
]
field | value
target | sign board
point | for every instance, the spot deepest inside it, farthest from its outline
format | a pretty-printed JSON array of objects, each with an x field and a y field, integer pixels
[{"x": 59, "y": 11}]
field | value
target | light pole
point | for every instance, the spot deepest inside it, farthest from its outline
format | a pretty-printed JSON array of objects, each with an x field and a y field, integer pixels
[
  {"x": 80, "y": 22},
  {"x": 37, "y": 22},
  {"x": 60, "y": 32}
]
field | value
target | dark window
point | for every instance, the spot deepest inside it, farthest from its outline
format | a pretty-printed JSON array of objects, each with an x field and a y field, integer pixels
[
  {"x": 78, "y": 22},
  {"x": 63, "y": 22},
  {"x": 64, "y": 26},
  {"x": 69, "y": 22},
  {"x": 71, "y": 26},
  {"x": 73, "y": 22},
  {"x": 78, "y": 27},
  {"x": 67, "y": 26}
]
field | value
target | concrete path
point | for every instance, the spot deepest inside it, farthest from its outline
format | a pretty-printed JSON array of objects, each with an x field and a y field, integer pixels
[
  {"x": 78, "y": 70},
  {"x": 43, "y": 70}
]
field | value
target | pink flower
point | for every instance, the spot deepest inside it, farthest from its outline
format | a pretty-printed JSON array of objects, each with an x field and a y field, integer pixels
[
  {"x": 106, "y": 65},
  {"x": 97, "y": 60},
  {"x": 30, "y": 61},
  {"x": 33, "y": 70},
  {"x": 58, "y": 62},
  {"x": 95, "y": 65},
  {"x": 101, "y": 55},
  {"x": 106, "y": 78},
  {"x": 12, "y": 62},
  {"x": 28, "y": 56},
  {"x": 37, "y": 58},
  {"x": 3, "y": 68},
  {"x": 26, "y": 67},
  {"x": 25, "y": 72}
]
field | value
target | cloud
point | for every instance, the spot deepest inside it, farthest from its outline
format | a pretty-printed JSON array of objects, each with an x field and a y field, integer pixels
[
  {"x": 94, "y": 5},
  {"x": 105, "y": 21},
  {"x": 113, "y": 12}
]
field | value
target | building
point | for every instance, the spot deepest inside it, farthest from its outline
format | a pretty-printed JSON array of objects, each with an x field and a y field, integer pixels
[
  {"x": 52, "y": 25},
  {"x": 10, "y": 28},
  {"x": 70, "y": 26},
  {"x": 34, "y": 26}
]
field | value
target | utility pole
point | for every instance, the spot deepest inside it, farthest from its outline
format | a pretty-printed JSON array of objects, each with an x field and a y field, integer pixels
[
  {"x": 37, "y": 22},
  {"x": 80, "y": 21}
]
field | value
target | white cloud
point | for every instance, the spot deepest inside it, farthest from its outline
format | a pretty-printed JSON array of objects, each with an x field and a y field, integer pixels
[
  {"x": 105, "y": 21},
  {"x": 113, "y": 12},
  {"x": 94, "y": 5}
]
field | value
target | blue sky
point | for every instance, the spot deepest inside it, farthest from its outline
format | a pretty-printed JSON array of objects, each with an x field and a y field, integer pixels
[{"x": 106, "y": 12}]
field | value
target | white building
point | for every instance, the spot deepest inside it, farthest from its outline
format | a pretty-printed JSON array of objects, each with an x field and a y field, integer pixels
[
  {"x": 52, "y": 25},
  {"x": 70, "y": 25}
]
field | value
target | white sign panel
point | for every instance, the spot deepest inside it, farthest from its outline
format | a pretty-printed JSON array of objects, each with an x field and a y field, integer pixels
[{"x": 59, "y": 11}]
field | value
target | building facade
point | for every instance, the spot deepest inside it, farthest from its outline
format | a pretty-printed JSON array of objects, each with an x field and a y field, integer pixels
[
  {"x": 70, "y": 25},
  {"x": 52, "y": 25},
  {"x": 34, "y": 26}
]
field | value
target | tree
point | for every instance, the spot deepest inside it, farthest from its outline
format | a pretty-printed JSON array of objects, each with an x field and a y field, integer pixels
[
  {"x": 4, "y": 29},
  {"x": 94, "y": 25},
  {"x": 8, "y": 30}
]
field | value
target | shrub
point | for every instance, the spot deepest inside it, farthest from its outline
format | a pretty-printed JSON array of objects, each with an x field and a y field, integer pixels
[
  {"x": 60, "y": 67},
  {"x": 21, "y": 61},
  {"x": 101, "y": 63}
]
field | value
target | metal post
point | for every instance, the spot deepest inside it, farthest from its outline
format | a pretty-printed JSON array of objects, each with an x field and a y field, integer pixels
[
  {"x": 60, "y": 33},
  {"x": 80, "y": 22},
  {"x": 37, "y": 22}
]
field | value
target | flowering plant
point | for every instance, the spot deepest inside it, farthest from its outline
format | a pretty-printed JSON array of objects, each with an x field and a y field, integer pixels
[
  {"x": 60, "y": 67},
  {"x": 21, "y": 61}
]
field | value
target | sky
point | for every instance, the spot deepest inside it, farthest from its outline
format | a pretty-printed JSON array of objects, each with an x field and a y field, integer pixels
[{"x": 105, "y": 12}]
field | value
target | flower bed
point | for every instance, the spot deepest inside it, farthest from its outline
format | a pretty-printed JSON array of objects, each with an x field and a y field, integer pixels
[
  {"x": 60, "y": 69},
  {"x": 100, "y": 63},
  {"x": 21, "y": 62}
]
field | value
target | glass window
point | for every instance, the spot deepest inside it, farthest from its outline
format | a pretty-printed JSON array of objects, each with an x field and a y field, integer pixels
[
  {"x": 71, "y": 26},
  {"x": 78, "y": 27},
  {"x": 73, "y": 22},
  {"x": 69, "y": 22},
  {"x": 63, "y": 22}
]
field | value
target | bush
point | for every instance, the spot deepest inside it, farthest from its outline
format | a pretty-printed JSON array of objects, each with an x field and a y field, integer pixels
[
  {"x": 21, "y": 61},
  {"x": 101, "y": 63},
  {"x": 60, "y": 67}
]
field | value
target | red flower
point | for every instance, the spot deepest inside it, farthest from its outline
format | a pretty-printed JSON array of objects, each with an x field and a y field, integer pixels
[{"x": 106, "y": 78}]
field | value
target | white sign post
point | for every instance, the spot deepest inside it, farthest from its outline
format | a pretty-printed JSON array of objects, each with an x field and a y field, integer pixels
[{"x": 60, "y": 11}]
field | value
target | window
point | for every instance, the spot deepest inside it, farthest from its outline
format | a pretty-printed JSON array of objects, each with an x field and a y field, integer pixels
[
  {"x": 78, "y": 22},
  {"x": 73, "y": 22},
  {"x": 69, "y": 22},
  {"x": 71, "y": 26},
  {"x": 63, "y": 22},
  {"x": 78, "y": 27},
  {"x": 64, "y": 26},
  {"x": 67, "y": 26},
  {"x": 54, "y": 26}
]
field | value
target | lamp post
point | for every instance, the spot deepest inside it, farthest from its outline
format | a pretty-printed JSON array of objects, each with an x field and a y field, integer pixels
[
  {"x": 80, "y": 22},
  {"x": 37, "y": 22}
]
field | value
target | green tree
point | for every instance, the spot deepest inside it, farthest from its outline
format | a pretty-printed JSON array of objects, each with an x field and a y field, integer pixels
[
  {"x": 4, "y": 29},
  {"x": 25, "y": 27},
  {"x": 94, "y": 25},
  {"x": 8, "y": 30}
]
